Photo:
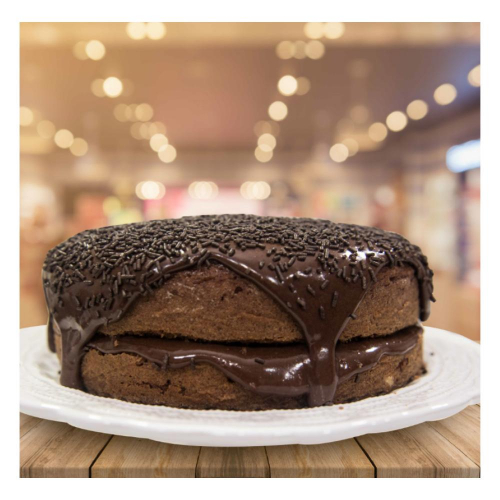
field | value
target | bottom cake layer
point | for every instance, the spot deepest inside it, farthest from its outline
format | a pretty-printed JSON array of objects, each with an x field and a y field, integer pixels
[{"x": 168, "y": 373}]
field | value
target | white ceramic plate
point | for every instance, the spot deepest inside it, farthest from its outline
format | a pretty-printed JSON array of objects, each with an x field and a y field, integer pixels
[{"x": 451, "y": 384}]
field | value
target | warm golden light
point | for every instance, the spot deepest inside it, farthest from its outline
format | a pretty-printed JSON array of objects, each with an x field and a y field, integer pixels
[
  {"x": 267, "y": 142},
  {"x": 474, "y": 76},
  {"x": 339, "y": 153},
  {"x": 136, "y": 31},
  {"x": 299, "y": 49},
  {"x": 46, "y": 129},
  {"x": 313, "y": 30},
  {"x": 377, "y": 132},
  {"x": 445, "y": 94},
  {"x": 157, "y": 141},
  {"x": 352, "y": 145},
  {"x": 167, "y": 153},
  {"x": 146, "y": 131},
  {"x": 26, "y": 116},
  {"x": 396, "y": 121},
  {"x": 315, "y": 49},
  {"x": 150, "y": 190},
  {"x": 112, "y": 86},
  {"x": 63, "y": 138},
  {"x": 303, "y": 85},
  {"x": 155, "y": 31},
  {"x": 263, "y": 155},
  {"x": 97, "y": 87},
  {"x": 203, "y": 190},
  {"x": 79, "y": 147},
  {"x": 95, "y": 50},
  {"x": 334, "y": 30},
  {"x": 285, "y": 50},
  {"x": 278, "y": 111},
  {"x": 417, "y": 109},
  {"x": 260, "y": 190},
  {"x": 144, "y": 112},
  {"x": 287, "y": 85},
  {"x": 79, "y": 50}
]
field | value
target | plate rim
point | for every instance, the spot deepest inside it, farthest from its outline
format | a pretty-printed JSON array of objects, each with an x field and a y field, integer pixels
[{"x": 193, "y": 434}]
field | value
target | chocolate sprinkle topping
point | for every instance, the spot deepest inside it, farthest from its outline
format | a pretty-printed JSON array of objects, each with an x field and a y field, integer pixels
[{"x": 94, "y": 277}]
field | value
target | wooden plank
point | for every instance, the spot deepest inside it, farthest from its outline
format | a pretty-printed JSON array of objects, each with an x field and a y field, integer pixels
[
  {"x": 54, "y": 449},
  {"x": 233, "y": 462},
  {"x": 340, "y": 459},
  {"x": 132, "y": 457},
  {"x": 418, "y": 451},
  {"x": 463, "y": 430},
  {"x": 26, "y": 423}
]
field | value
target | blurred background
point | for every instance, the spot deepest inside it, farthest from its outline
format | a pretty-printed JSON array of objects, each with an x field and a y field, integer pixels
[{"x": 367, "y": 123}]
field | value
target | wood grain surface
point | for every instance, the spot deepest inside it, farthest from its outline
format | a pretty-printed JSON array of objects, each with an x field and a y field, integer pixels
[{"x": 445, "y": 448}]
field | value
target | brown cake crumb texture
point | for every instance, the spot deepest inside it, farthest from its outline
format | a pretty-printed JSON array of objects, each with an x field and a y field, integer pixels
[{"x": 215, "y": 304}]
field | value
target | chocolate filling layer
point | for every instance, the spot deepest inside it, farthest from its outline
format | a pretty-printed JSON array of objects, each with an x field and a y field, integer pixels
[
  {"x": 317, "y": 270},
  {"x": 278, "y": 370}
]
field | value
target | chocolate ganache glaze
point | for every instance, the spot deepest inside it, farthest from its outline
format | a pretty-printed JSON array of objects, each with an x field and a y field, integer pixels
[{"x": 317, "y": 270}]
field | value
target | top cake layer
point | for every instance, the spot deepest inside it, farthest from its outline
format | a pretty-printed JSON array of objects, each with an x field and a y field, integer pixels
[{"x": 316, "y": 270}]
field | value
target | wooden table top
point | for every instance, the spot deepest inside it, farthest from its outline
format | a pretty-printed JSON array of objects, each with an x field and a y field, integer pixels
[{"x": 446, "y": 448}]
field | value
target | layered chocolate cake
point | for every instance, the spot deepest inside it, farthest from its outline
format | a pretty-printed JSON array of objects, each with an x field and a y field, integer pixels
[{"x": 237, "y": 312}]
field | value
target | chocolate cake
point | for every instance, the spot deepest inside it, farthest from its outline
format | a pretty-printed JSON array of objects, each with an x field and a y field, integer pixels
[{"x": 237, "y": 312}]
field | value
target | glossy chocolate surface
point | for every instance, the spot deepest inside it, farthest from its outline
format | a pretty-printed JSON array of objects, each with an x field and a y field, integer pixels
[{"x": 278, "y": 370}]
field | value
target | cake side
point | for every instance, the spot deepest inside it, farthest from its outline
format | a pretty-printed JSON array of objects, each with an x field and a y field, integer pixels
[{"x": 216, "y": 304}]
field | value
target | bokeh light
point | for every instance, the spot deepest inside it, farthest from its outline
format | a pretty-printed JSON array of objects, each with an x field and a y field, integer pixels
[
  {"x": 287, "y": 85},
  {"x": 334, "y": 30},
  {"x": 417, "y": 109},
  {"x": 144, "y": 112},
  {"x": 136, "y": 31},
  {"x": 267, "y": 142},
  {"x": 278, "y": 110},
  {"x": 46, "y": 129},
  {"x": 112, "y": 86},
  {"x": 95, "y": 50},
  {"x": 339, "y": 153},
  {"x": 263, "y": 155},
  {"x": 474, "y": 76},
  {"x": 155, "y": 31},
  {"x": 150, "y": 190},
  {"x": 313, "y": 30},
  {"x": 396, "y": 121},
  {"x": 315, "y": 49},
  {"x": 377, "y": 132},
  {"x": 259, "y": 190},
  {"x": 445, "y": 94},
  {"x": 167, "y": 153},
  {"x": 157, "y": 141},
  {"x": 203, "y": 190},
  {"x": 26, "y": 116},
  {"x": 79, "y": 147},
  {"x": 63, "y": 138},
  {"x": 285, "y": 50}
]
